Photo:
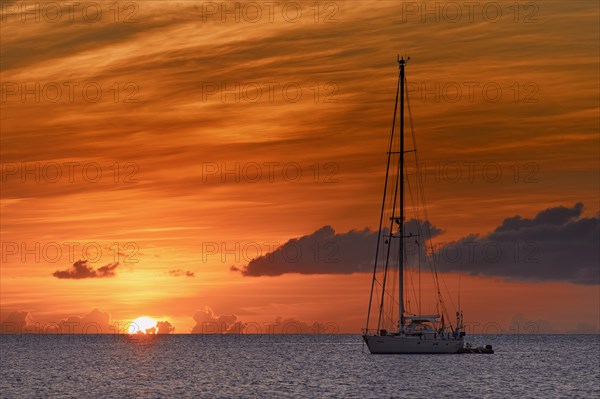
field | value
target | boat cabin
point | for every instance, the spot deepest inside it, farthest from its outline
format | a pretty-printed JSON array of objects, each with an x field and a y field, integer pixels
[{"x": 424, "y": 326}]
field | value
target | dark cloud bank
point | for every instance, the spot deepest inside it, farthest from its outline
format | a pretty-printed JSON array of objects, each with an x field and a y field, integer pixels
[{"x": 558, "y": 244}]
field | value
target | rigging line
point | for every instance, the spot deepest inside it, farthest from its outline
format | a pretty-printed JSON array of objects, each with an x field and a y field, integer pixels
[
  {"x": 392, "y": 293},
  {"x": 383, "y": 202},
  {"x": 395, "y": 293},
  {"x": 394, "y": 276},
  {"x": 417, "y": 211},
  {"x": 448, "y": 291},
  {"x": 385, "y": 290},
  {"x": 385, "y": 312},
  {"x": 392, "y": 300},
  {"x": 417, "y": 217},
  {"x": 387, "y": 259},
  {"x": 410, "y": 279},
  {"x": 459, "y": 275},
  {"x": 385, "y": 295},
  {"x": 419, "y": 248},
  {"x": 418, "y": 169},
  {"x": 419, "y": 174},
  {"x": 377, "y": 296},
  {"x": 419, "y": 256}
]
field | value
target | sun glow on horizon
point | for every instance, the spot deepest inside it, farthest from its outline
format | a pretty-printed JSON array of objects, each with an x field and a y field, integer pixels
[{"x": 141, "y": 325}]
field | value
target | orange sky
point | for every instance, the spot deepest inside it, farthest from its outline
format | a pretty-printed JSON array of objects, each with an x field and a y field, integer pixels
[{"x": 188, "y": 156}]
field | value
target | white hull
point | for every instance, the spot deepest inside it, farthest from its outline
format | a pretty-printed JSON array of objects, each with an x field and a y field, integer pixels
[{"x": 393, "y": 344}]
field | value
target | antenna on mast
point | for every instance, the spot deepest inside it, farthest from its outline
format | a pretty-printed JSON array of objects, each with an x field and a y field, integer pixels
[{"x": 403, "y": 60}]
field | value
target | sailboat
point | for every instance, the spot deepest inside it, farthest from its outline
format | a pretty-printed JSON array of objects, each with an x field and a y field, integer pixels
[{"x": 398, "y": 329}]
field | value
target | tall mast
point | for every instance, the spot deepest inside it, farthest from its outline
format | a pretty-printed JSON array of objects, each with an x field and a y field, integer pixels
[{"x": 402, "y": 63}]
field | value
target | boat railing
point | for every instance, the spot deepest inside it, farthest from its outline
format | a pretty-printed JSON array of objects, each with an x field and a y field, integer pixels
[{"x": 373, "y": 331}]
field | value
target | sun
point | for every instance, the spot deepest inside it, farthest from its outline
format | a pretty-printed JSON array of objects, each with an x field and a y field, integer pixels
[{"x": 143, "y": 325}]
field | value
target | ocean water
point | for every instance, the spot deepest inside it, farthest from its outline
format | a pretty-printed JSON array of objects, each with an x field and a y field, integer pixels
[{"x": 297, "y": 366}]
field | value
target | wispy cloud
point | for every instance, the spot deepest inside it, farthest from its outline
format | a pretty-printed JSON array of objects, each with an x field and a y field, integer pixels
[
  {"x": 81, "y": 270},
  {"x": 181, "y": 273}
]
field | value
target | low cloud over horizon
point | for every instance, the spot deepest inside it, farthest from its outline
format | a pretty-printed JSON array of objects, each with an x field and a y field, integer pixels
[
  {"x": 558, "y": 244},
  {"x": 207, "y": 322},
  {"x": 94, "y": 322}
]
